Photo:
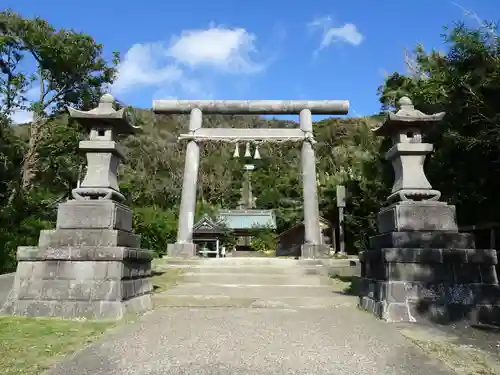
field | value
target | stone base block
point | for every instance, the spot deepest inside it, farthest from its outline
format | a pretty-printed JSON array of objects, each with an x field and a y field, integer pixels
[
  {"x": 88, "y": 237},
  {"x": 82, "y": 271},
  {"x": 441, "y": 303},
  {"x": 86, "y": 282},
  {"x": 315, "y": 251},
  {"x": 417, "y": 216},
  {"x": 444, "y": 285},
  {"x": 94, "y": 214},
  {"x": 63, "y": 286},
  {"x": 93, "y": 310},
  {"x": 84, "y": 253},
  {"x": 181, "y": 250},
  {"x": 428, "y": 239},
  {"x": 460, "y": 266}
]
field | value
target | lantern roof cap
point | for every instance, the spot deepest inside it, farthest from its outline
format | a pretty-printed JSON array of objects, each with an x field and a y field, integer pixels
[
  {"x": 106, "y": 114},
  {"x": 407, "y": 117}
]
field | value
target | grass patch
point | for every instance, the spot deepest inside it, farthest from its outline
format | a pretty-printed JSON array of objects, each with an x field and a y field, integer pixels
[
  {"x": 158, "y": 262},
  {"x": 31, "y": 345},
  {"x": 463, "y": 360},
  {"x": 268, "y": 253},
  {"x": 341, "y": 256},
  {"x": 347, "y": 285},
  {"x": 165, "y": 279}
]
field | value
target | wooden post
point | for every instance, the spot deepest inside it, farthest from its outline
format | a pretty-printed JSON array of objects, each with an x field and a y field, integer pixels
[
  {"x": 341, "y": 231},
  {"x": 341, "y": 205}
]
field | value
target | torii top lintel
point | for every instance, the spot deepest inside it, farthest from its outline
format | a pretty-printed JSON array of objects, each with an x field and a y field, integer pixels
[{"x": 242, "y": 107}]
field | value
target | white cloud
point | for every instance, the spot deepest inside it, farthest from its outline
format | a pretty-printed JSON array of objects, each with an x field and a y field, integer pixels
[
  {"x": 187, "y": 59},
  {"x": 223, "y": 48},
  {"x": 348, "y": 33},
  {"x": 21, "y": 117},
  {"x": 143, "y": 66},
  {"x": 189, "y": 88},
  {"x": 33, "y": 93},
  {"x": 24, "y": 116}
]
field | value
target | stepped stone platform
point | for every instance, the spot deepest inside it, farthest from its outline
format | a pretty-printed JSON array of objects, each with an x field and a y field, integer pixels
[
  {"x": 89, "y": 267},
  {"x": 432, "y": 272}
]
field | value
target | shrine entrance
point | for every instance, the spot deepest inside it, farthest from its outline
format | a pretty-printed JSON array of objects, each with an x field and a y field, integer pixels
[
  {"x": 207, "y": 234},
  {"x": 184, "y": 246}
]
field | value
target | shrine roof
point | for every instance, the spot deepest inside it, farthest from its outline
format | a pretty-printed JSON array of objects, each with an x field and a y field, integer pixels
[
  {"x": 208, "y": 225},
  {"x": 247, "y": 218}
]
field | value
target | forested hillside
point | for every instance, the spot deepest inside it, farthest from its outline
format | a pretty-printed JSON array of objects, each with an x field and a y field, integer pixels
[{"x": 39, "y": 164}]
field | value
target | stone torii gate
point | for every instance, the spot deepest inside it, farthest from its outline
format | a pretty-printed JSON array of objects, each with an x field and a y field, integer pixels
[{"x": 184, "y": 247}]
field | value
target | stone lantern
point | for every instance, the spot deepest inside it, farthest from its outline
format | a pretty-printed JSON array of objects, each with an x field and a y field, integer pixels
[
  {"x": 408, "y": 153},
  {"x": 104, "y": 154},
  {"x": 91, "y": 266},
  {"x": 420, "y": 267},
  {"x": 414, "y": 204}
]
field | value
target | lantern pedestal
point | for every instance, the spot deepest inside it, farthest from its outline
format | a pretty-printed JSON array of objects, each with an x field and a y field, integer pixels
[
  {"x": 428, "y": 274},
  {"x": 417, "y": 216},
  {"x": 94, "y": 214}
]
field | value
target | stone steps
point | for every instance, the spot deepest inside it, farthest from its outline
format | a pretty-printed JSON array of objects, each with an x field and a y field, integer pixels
[
  {"x": 241, "y": 261},
  {"x": 249, "y": 269},
  {"x": 243, "y": 278},
  {"x": 165, "y": 300},
  {"x": 253, "y": 283},
  {"x": 252, "y": 291},
  {"x": 246, "y": 254}
]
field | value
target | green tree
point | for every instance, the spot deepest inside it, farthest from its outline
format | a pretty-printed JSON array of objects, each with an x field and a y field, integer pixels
[
  {"x": 264, "y": 239},
  {"x": 13, "y": 83},
  {"x": 351, "y": 155},
  {"x": 465, "y": 83},
  {"x": 156, "y": 226},
  {"x": 69, "y": 70}
]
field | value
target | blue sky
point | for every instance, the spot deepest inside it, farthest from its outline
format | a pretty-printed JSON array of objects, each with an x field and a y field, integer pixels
[{"x": 262, "y": 49}]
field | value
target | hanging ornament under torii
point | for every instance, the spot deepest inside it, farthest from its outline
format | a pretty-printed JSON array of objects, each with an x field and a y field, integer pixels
[
  {"x": 248, "y": 153},
  {"x": 256, "y": 154},
  {"x": 236, "y": 153}
]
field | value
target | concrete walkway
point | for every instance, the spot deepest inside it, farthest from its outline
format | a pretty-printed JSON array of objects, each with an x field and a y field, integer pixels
[{"x": 253, "y": 316}]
